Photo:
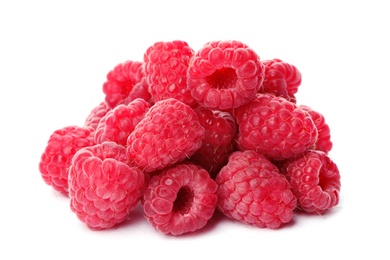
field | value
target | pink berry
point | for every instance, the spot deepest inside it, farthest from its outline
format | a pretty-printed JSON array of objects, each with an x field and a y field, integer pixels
[
  {"x": 96, "y": 114},
  {"x": 252, "y": 191},
  {"x": 224, "y": 74},
  {"x": 103, "y": 187},
  {"x": 59, "y": 151},
  {"x": 169, "y": 133},
  {"x": 180, "y": 199},
  {"x": 315, "y": 181}
]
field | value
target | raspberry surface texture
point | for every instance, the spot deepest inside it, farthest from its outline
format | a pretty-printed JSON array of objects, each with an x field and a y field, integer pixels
[
  {"x": 252, "y": 190},
  {"x": 96, "y": 114},
  {"x": 324, "y": 142},
  {"x": 118, "y": 123},
  {"x": 225, "y": 74},
  {"x": 103, "y": 187},
  {"x": 166, "y": 65},
  {"x": 275, "y": 127},
  {"x": 218, "y": 143},
  {"x": 170, "y": 132},
  {"x": 315, "y": 181},
  {"x": 59, "y": 151},
  {"x": 180, "y": 199},
  {"x": 281, "y": 79},
  {"x": 121, "y": 80}
]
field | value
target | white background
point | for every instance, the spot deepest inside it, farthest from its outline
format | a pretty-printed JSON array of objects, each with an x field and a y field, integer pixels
[{"x": 54, "y": 57}]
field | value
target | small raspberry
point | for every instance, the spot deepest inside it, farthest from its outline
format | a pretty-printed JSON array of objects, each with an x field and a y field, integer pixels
[
  {"x": 140, "y": 90},
  {"x": 224, "y": 74},
  {"x": 96, "y": 114},
  {"x": 57, "y": 156},
  {"x": 217, "y": 145},
  {"x": 169, "y": 132},
  {"x": 166, "y": 65},
  {"x": 324, "y": 142},
  {"x": 180, "y": 199},
  {"x": 103, "y": 188},
  {"x": 252, "y": 191},
  {"x": 118, "y": 123},
  {"x": 274, "y": 127},
  {"x": 315, "y": 181},
  {"x": 281, "y": 79},
  {"x": 121, "y": 80}
]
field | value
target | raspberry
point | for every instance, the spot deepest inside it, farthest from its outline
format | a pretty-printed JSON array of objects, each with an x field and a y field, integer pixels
[
  {"x": 121, "y": 80},
  {"x": 140, "y": 90},
  {"x": 118, "y": 123},
  {"x": 324, "y": 142},
  {"x": 281, "y": 79},
  {"x": 180, "y": 199},
  {"x": 169, "y": 133},
  {"x": 103, "y": 188},
  {"x": 220, "y": 130},
  {"x": 166, "y": 65},
  {"x": 60, "y": 149},
  {"x": 274, "y": 127},
  {"x": 224, "y": 74},
  {"x": 96, "y": 114},
  {"x": 252, "y": 191},
  {"x": 315, "y": 181}
]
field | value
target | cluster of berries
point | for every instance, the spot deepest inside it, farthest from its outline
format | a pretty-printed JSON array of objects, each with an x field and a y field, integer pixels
[{"x": 186, "y": 134}]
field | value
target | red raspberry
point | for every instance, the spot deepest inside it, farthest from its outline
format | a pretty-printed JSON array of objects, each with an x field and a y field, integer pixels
[
  {"x": 281, "y": 79},
  {"x": 118, "y": 123},
  {"x": 169, "y": 133},
  {"x": 121, "y": 80},
  {"x": 224, "y": 74},
  {"x": 315, "y": 181},
  {"x": 140, "y": 90},
  {"x": 274, "y": 127},
  {"x": 166, "y": 65},
  {"x": 180, "y": 199},
  {"x": 324, "y": 142},
  {"x": 57, "y": 157},
  {"x": 103, "y": 188},
  {"x": 96, "y": 114},
  {"x": 217, "y": 145},
  {"x": 251, "y": 190}
]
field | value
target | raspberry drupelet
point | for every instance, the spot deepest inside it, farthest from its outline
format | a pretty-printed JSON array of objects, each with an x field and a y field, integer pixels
[{"x": 225, "y": 74}]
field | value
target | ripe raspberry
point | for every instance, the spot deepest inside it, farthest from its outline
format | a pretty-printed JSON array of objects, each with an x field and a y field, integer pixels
[
  {"x": 217, "y": 145},
  {"x": 169, "y": 133},
  {"x": 281, "y": 79},
  {"x": 118, "y": 123},
  {"x": 315, "y": 181},
  {"x": 103, "y": 188},
  {"x": 96, "y": 114},
  {"x": 166, "y": 65},
  {"x": 180, "y": 199},
  {"x": 324, "y": 142},
  {"x": 121, "y": 80},
  {"x": 251, "y": 190},
  {"x": 224, "y": 74},
  {"x": 274, "y": 127},
  {"x": 57, "y": 156}
]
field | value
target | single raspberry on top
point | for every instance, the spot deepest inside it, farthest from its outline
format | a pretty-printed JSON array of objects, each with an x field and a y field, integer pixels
[
  {"x": 274, "y": 127},
  {"x": 180, "y": 199},
  {"x": 103, "y": 187},
  {"x": 281, "y": 78},
  {"x": 118, "y": 123},
  {"x": 166, "y": 65},
  {"x": 218, "y": 143},
  {"x": 225, "y": 74},
  {"x": 324, "y": 142},
  {"x": 169, "y": 132},
  {"x": 121, "y": 80},
  {"x": 315, "y": 181},
  {"x": 59, "y": 151},
  {"x": 251, "y": 190}
]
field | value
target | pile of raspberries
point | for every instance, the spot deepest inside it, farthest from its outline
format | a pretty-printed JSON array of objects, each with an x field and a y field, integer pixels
[{"x": 186, "y": 134}]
